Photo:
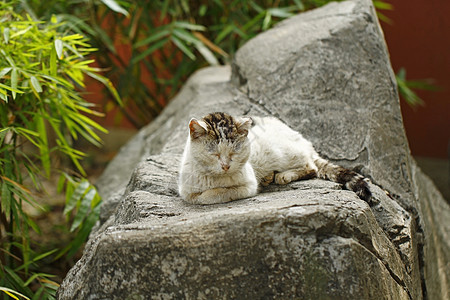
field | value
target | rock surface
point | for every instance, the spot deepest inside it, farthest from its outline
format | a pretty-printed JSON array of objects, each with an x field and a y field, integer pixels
[{"x": 327, "y": 74}]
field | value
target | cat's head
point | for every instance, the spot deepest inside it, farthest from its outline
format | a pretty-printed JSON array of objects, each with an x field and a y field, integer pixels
[{"x": 219, "y": 142}]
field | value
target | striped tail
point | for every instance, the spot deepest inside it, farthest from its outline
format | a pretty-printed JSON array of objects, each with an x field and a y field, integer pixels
[{"x": 349, "y": 179}]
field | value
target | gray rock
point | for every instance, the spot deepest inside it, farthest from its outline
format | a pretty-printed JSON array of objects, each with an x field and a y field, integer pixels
[{"x": 327, "y": 74}]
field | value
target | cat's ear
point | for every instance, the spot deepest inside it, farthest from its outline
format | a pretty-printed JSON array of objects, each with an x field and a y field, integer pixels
[
  {"x": 196, "y": 130},
  {"x": 244, "y": 126}
]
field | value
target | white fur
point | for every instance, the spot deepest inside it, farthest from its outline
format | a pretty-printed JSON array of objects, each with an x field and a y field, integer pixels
[
  {"x": 278, "y": 148},
  {"x": 271, "y": 146}
]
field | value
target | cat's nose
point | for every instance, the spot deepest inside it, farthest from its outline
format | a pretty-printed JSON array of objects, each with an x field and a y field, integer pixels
[{"x": 225, "y": 167}]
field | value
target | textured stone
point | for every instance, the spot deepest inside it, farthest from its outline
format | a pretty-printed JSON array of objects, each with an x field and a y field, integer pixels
[{"x": 327, "y": 74}]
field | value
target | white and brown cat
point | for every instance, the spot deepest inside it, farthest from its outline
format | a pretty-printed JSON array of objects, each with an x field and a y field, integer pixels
[{"x": 228, "y": 158}]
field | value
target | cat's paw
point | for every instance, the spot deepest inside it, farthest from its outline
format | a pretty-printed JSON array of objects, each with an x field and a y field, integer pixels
[
  {"x": 285, "y": 177},
  {"x": 213, "y": 196},
  {"x": 268, "y": 179}
]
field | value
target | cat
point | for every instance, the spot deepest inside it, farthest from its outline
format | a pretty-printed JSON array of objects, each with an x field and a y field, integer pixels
[{"x": 228, "y": 158}]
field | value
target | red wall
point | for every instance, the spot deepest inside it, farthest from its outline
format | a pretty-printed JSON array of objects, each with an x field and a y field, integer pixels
[{"x": 419, "y": 41}]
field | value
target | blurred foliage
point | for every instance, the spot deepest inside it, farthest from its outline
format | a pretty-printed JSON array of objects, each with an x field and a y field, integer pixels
[
  {"x": 406, "y": 88},
  {"x": 41, "y": 113},
  {"x": 149, "y": 48},
  {"x": 380, "y": 6}
]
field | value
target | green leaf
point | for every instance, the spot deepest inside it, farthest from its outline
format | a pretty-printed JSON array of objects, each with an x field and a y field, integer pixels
[
  {"x": 152, "y": 37},
  {"x": 43, "y": 144},
  {"x": 17, "y": 281},
  {"x": 3, "y": 95},
  {"x": 61, "y": 183},
  {"x": 115, "y": 7},
  {"x": 225, "y": 32},
  {"x": 267, "y": 20},
  {"x": 6, "y": 199},
  {"x": 149, "y": 51},
  {"x": 183, "y": 47},
  {"x": 54, "y": 19},
  {"x": 35, "y": 84},
  {"x": 207, "y": 54},
  {"x": 83, "y": 209},
  {"x": 53, "y": 63},
  {"x": 31, "y": 279},
  {"x": 33, "y": 225},
  {"x": 108, "y": 84},
  {"x": 164, "y": 10},
  {"x": 185, "y": 36},
  {"x": 77, "y": 195},
  {"x": 12, "y": 293},
  {"x": 59, "y": 48},
  {"x": 383, "y": 5},
  {"x": 202, "y": 10},
  {"x": 14, "y": 82},
  {"x": 10, "y": 89},
  {"x": 282, "y": 12},
  {"x": 28, "y": 134},
  {"x": 5, "y": 71},
  {"x": 299, "y": 4},
  {"x": 6, "y": 35},
  {"x": 84, "y": 232},
  {"x": 190, "y": 26}
]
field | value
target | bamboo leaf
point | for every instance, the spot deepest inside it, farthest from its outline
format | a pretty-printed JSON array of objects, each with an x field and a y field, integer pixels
[
  {"x": 83, "y": 120},
  {"x": 16, "y": 184},
  {"x": 59, "y": 48},
  {"x": 5, "y": 71},
  {"x": 76, "y": 197},
  {"x": 207, "y": 54},
  {"x": 6, "y": 199},
  {"x": 33, "y": 261},
  {"x": 10, "y": 89},
  {"x": 31, "y": 279},
  {"x": 210, "y": 44},
  {"x": 54, "y": 19},
  {"x": 32, "y": 224},
  {"x": 153, "y": 37},
  {"x": 282, "y": 12},
  {"x": 17, "y": 281},
  {"x": 108, "y": 84},
  {"x": 299, "y": 4},
  {"x": 6, "y": 35},
  {"x": 83, "y": 209},
  {"x": 43, "y": 148},
  {"x": 149, "y": 51},
  {"x": 13, "y": 293},
  {"x": 224, "y": 33},
  {"x": 83, "y": 233},
  {"x": 383, "y": 5},
  {"x": 189, "y": 26},
  {"x": 112, "y": 4},
  {"x": 183, "y": 47},
  {"x": 35, "y": 84},
  {"x": 185, "y": 36},
  {"x": 267, "y": 20},
  {"x": 61, "y": 183},
  {"x": 3, "y": 95},
  {"x": 14, "y": 82}
]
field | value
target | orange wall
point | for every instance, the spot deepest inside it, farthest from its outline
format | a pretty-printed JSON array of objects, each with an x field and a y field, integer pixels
[{"x": 419, "y": 41}]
